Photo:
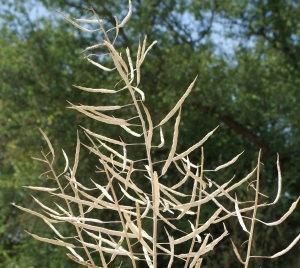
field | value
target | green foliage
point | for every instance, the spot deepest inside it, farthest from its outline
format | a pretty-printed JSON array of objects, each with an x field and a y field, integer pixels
[{"x": 252, "y": 93}]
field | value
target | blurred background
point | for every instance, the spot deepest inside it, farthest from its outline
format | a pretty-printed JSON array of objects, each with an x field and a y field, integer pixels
[{"x": 246, "y": 54}]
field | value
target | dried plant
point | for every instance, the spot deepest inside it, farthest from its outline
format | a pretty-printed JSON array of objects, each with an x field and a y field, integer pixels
[{"x": 165, "y": 206}]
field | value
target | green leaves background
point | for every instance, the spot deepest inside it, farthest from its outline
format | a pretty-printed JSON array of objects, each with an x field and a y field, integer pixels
[{"x": 250, "y": 89}]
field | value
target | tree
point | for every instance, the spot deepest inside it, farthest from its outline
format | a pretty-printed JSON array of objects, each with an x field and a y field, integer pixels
[{"x": 251, "y": 92}]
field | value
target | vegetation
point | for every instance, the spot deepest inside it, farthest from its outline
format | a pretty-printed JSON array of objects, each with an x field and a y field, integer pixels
[{"x": 250, "y": 92}]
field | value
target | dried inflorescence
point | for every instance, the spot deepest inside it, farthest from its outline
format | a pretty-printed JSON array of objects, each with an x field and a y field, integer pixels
[{"x": 136, "y": 203}]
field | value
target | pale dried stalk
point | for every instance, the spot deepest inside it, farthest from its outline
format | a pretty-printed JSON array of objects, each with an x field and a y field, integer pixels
[
  {"x": 100, "y": 90},
  {"x": 163, "y": 201},
  {"x": 237, "y": 253},
  {"x": 281, "y": 252},
  {"x": 239, "y": 216},
  {"x": 174, "y": 145},
  {"x": 178, "y": 104},
  {"x": 198, "y": 211}
]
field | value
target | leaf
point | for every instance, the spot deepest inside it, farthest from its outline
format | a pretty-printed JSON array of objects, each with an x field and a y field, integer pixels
[
  {"x": 237, "y": 253},
  {"x": 130, "y": 64},
  {"x": 288, "y": 248},
  {"x": 99, "y": 90},
  {"x": 279, "y": 182},
  {"x": 150, "y": 129},
  {"x": 190, "y": 173},
  {"x": 174, "y": 145},
  {"x": 131, "y": 131},
  {"x": 140, "y": 92},
  {"x": 290, "y": 211},
  {"x": 131, "y": 197},
  {"x": 227, "y": 164},
  {"x": 44, "y": 189},
  {"x": 115, "y": 56},
  {"x": 104, "y": 118},
  {"x": 49, "y": 145},
  {"x": 239, "y": 216},
  {"x": 178, "y": 104},
  {"x": 200, "y": 229},
  {"x": 87, "y": 264},
  {"x": 102, "y": 137},
  {"x": 216, "y": 241},
  {"x": 51, "y": 241},
  {"x": 103, "y": 190},
  {"x": 153, "y": 43},
  {"x": 45, "y": 207},
  {"x": 35, "y": 213},
  {"x": 67, "y": 161},
  {"x": 280, "y": 253},
  {"x": 195, "y": 146},
  {"x": 197, "y": 236},
  {"x": 75, "y": 24},
  {"x": 100, "y": 66},
  {"x": 162, "y": 140},
  {"x": 239, "y": 183},
  {"x": 54, "y": 229},
  {"x": 137, "y": 65},
  {"x": 97, "y": 108},
  {"x": 148, "y": 260},
  {"x": 75, "y": 254},
  {"x": 127, "y": 17},
  {"x": 134, "y": 230},
  {"x": 147, "y": 207},
  {"x": 115, "y": 152},
  {"x": 171, "y": 242},
  {"x": 89, "y": 21},
  {"x": 128, "y": 175}
]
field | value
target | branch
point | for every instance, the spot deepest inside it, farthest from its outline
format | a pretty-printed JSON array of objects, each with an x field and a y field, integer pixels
[{"x": 237, "y": 127}]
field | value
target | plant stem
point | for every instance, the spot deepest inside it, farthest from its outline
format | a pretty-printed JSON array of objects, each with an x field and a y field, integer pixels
[
  {"x": 254, "y": 212},
  {"x": 148, "y": 150}
]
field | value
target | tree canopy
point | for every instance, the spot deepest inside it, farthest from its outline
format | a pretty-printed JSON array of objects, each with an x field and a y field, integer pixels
[{"x": 247, "y": 57}]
